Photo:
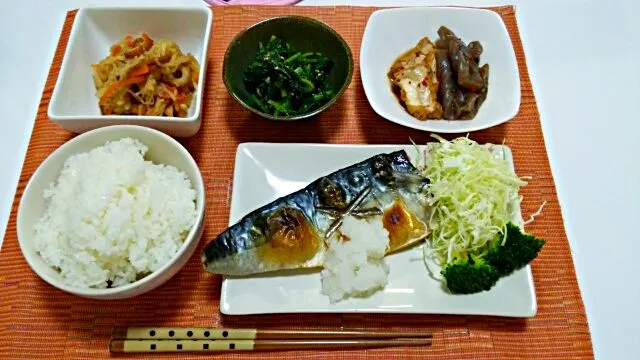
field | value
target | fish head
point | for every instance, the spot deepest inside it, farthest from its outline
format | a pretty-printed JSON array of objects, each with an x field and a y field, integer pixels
[{"x": 396, "y": 172}]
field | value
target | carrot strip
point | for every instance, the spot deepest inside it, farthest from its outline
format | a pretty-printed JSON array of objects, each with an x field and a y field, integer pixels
[
  {"x": 116, "y": 50},
  {"x": 140, "y": 70},
  {"x": 148, "y": 42},
  {"x": 119, "y": 85},
  {"x": 194, "y": 78},
  {"x": 180, "y": 98},
  {"x": 129, "y": 40}
]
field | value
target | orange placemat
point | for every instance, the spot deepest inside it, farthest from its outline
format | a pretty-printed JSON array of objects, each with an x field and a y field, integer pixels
[{"x": 38, "y": 321}]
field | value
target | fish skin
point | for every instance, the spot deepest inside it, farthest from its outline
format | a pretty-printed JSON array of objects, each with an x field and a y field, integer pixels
[{"x": 240, "y": 249}]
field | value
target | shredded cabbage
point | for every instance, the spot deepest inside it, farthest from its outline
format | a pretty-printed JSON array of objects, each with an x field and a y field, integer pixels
[{"x": 473, "y": 193}]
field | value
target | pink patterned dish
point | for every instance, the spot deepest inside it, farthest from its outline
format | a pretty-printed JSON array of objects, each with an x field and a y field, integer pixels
[{"x": 252, "y": 2}]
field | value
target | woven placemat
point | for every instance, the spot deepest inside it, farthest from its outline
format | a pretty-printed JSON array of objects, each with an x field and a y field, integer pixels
[{"x": 38, "y": 321}]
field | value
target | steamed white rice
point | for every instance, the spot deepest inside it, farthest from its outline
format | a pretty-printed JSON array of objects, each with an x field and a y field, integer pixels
[
  {"x": 354, "y": 265},
  {"x": 112, "y": 216}
]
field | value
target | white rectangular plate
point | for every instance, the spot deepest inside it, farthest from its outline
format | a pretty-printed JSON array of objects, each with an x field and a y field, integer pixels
[{"x": 264, "y": 172}]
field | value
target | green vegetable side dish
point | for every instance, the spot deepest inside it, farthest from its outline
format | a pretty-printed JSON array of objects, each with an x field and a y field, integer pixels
[
  {"x": 470, "y": 276},
  {"x": 285, "y": 82},
  {"x": 480, "y": 272},
  {"x": 474, "y": 196},
  {"x": 518, "y": 250}
]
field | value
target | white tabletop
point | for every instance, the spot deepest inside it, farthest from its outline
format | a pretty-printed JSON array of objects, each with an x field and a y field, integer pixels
[{"x": 582, "y": 62}]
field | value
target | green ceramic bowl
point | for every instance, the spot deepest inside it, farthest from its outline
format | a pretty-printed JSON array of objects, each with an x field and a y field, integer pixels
[{"x": 304, "y": 34}]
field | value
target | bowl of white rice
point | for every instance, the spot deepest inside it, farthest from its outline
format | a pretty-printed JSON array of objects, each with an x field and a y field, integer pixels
[{"x": 112, "y": 213}]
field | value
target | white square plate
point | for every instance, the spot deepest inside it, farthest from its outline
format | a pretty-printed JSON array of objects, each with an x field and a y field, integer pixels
[
  {"x": 74, "y": 105},
  {"x": 390, "y": 33},
  {"x": 264, "y": 172}
]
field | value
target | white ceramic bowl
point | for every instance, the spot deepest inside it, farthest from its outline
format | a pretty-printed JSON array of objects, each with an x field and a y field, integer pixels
[
  {"x": 390, "y": 33},
  {"x": 74, "y": 105},
  {"x": 162, "y": 149}
]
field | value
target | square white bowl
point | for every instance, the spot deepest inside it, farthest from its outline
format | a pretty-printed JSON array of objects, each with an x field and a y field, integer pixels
[
  {"x": 74, "y": 105},
  {"x": 391, "y": 32}
]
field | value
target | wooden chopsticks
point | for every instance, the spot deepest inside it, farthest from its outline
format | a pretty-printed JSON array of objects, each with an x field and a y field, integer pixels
[{"x": 164, "y": 339}]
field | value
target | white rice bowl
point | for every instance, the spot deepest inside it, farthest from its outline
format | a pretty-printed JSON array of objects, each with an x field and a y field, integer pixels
[
  {"x": 354, "y": 265},
  {"x": 113, "y": 217}
]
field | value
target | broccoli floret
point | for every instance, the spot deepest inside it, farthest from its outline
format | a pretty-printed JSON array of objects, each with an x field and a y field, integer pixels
[
  {"x": 470, "y": 276},
  {"x": 480, "y": 272},
  {"x": 518, "y": 250}
]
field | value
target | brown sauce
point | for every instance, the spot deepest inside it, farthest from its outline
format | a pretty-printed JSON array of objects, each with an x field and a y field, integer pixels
[
  {"x": 395, "y": 89},
  {"x": 290, "y": 238},
  {"x": 403, "y": 226}
]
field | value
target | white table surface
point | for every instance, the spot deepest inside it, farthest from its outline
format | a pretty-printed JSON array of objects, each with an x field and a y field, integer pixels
[{"x": 582, "y": 58}]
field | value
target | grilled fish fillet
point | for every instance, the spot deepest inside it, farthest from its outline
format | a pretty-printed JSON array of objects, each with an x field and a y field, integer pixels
[{"x": 290, "y": 232}]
